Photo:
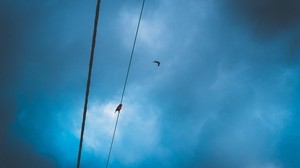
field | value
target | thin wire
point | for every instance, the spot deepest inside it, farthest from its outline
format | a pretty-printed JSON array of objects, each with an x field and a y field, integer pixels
[
  {"x": 112, "y": 140},
  {"x": 125, "y": 83},
  {"x": 129, "y": 65},
  {"x": 88, "y": 80}
]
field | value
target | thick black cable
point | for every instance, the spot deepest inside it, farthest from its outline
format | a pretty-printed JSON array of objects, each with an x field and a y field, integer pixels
[
  {"x": 125, "y": 83},
  {"x": 88, "y": 80}
]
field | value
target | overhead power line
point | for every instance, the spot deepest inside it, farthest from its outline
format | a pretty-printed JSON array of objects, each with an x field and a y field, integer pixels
[
  {"x": 125, "y": 83},
  {"x": 88, "y": 80}
]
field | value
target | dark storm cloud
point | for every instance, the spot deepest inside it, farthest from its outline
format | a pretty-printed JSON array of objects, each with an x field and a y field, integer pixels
[
  {"x": 294, "y": 49},
  {"x": 16, "y": 153},
  {"x": 225, "y": 99},
  {"x": 7, "y": 115},
  {"x": 13, "y": 153},
  {"x": 32, "y": 61},
  {"x": 44, "y": 58},
  {"x": 267, "y": 17}
]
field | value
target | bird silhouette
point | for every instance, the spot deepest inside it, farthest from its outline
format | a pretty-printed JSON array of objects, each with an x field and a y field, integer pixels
[
  {"x": 118, "y": 109},
  {"x": 158, "y": 63}
]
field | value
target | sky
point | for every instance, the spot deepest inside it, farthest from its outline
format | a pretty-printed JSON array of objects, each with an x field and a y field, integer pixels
[{"x": 225, "y": 95}]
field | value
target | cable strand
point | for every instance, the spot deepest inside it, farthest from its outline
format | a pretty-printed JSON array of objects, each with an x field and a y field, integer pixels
[
  {"x": 88, "y": 81},
  {"x": 112, "y": 140},
  {"x": 125, "y": 83},
  {"x": 132, "y": 51}
]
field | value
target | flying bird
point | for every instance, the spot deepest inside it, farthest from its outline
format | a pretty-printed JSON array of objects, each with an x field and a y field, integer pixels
[
  {"x": 118, "y": 109},
  {"x": 158, "y": 63}
]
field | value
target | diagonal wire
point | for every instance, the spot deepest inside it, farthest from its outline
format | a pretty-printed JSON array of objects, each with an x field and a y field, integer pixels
[
  {"x": 88, "y": 80},
  {"x": 132, "y": 51},
  {"x": 112, "y": 140},
  {"x": 125, "y": 83}
]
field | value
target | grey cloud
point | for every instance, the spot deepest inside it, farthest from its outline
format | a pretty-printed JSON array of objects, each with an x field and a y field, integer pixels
[
  {"x": 218, "y": 78},
  {"x": 267, "y": 18},
  {"x": 31, "y": 64},
  {"x": 254, "y": 78},
  {"x": 14, "y": 152},
  {"x": 17, "y": 154}
]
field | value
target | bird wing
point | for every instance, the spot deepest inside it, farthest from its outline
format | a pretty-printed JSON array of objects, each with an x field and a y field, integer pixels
[{"x": 158, "y": 63}]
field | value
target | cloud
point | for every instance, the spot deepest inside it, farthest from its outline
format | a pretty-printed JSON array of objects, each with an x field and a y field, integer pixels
[
  {"x": 269, "y": 17},
  {"x": 137, "y": 131},
  {"x": 20, "y": 154},
  {"x": 222, "y": 95},
  {"x": 14, "y": 151},
  {"x": 153, "y": 35}
]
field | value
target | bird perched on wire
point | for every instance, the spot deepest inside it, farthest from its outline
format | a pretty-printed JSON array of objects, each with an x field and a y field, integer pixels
[
  {"x": 118, "y": 109},
  {"x": 158, "y": 63}
]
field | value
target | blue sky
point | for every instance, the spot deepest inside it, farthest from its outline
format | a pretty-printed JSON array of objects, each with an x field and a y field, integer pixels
[{"x": 226, "y": 93}]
